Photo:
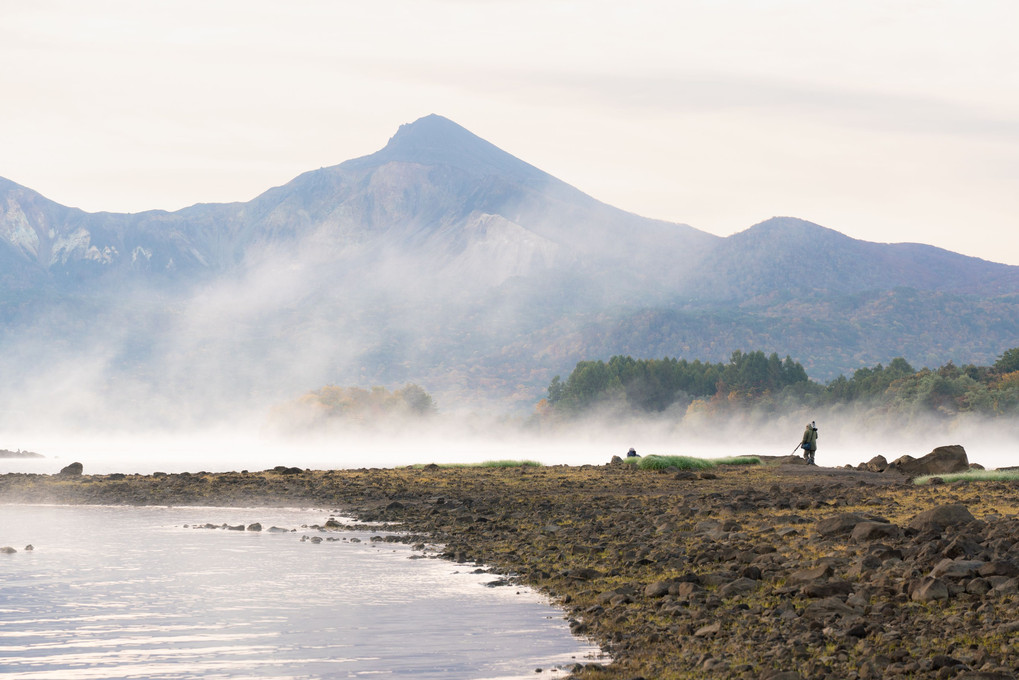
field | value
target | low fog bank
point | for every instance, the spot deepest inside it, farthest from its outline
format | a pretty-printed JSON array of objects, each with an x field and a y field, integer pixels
[{"x": 843, "y": 439}]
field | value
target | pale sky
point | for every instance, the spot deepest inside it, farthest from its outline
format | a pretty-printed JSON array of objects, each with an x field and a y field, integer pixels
[{"x": 887, "y": 121}]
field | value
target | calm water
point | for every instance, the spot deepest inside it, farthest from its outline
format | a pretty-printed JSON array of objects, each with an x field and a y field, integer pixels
[{"x": 134, "y": 593}]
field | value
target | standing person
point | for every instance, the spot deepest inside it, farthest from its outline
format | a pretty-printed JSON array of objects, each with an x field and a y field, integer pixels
[{"x": 809, "y": 443}]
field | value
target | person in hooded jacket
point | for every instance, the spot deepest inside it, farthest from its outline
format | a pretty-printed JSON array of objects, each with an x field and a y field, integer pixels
[{"x": 809, "y": 442}]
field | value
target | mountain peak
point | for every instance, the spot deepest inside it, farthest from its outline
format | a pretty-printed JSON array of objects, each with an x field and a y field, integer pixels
[
  {"x": 432, "y": 131},
  {"x": 436, "y": 140}
]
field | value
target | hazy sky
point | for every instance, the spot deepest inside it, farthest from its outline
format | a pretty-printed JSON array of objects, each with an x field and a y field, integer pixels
[{"x": 888, "y": 121}]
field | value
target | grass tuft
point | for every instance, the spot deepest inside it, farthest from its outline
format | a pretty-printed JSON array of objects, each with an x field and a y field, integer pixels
[
  {"x": 654, "y": 462},
  {"x": 972, "y": 476}
]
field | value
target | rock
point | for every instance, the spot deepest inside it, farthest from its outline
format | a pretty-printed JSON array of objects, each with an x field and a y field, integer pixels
[
  {"x": 709, "y": 630},
  {"x": 828, "y": 606},
  {"x": 930, "y": 589},
  {"x": 839, "y": 525},
  {"x": 828, "y": 589},
  {"x": 940, "y": 461},
  {"x": 740, "y": 586},
  {"x": 1009, "y": 587},
  {"x": 72, "y": 470},
  {"x": 781, "y": 675},
  {"x": 684, "y": 589},
  {"x": 7, "y": 550},
  {"x": 869, "y": 531},
  {"x": 584, "y": 574},
  {"x": 616, "y": 460},
  {"x": 284, "y": 470},
  {"x": 943, "y": 661},
  {"x": 978, "y": 586},
  {"x": 936, "y": 519},
  {"x": 857, "y": 631},
  {"x": 876, "y": 464},
  {"x": 29, "y": 548},
  {"x": 255, "y": 527},
  {"x": 999, "y": 568},
  {"x": 962, "y": 546},
  {"x": 658, "y": 588},
  {"x": 956, "y": 568},
  {"x": 817, "y": 573}
]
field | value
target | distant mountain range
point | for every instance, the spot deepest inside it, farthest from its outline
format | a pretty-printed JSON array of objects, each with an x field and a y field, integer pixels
[{"x": 445, "y": 261}]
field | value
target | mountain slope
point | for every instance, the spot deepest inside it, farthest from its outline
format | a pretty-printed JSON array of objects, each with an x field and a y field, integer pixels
[
  {"x": 805, "y": 259},
  {"x": 442, "y": 260}
]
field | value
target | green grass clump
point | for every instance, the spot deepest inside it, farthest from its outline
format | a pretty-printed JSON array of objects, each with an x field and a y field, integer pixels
[
  {"x": 485, "y": 464},
  {"x": 972, "y": 476},
  {"x": 654, "y": 462}
]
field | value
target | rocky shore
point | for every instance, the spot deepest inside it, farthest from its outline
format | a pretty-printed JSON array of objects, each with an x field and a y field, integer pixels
[{"x": 777, "y": 571}]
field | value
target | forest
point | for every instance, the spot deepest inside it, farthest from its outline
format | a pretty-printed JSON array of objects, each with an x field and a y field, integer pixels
[
  {"x": 756, "y": 380},
  {"x": 354, "y": 406}
]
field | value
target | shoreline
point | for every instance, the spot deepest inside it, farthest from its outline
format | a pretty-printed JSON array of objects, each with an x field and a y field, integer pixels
[{"x": 776, "y": 572}]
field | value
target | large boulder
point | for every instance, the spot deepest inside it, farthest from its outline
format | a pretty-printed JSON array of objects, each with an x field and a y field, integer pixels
[
  {"x": 839, "y": 525},
  {"x": 930, "y": 589},
  {"x": 72, "y": 470},
  {"x": 876, "y": 464},
  {"x": 941, "y": 461},
  {"x": 940, "y": 517}
]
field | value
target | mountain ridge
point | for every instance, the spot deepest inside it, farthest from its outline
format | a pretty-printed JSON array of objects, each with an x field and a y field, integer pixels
[{"x": 444, "y": 260}]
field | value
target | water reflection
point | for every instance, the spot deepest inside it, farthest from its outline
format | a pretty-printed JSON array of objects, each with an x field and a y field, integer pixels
[{"x": 140, "y": 593}]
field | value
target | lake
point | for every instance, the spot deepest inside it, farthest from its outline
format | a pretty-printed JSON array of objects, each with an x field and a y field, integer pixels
[{"x": 114, "y": 592}]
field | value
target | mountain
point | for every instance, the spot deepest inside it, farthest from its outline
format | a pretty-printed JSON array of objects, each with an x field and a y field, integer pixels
[
  {"x": 789, "y": 254},
  {"x": 443, "y": 260}
]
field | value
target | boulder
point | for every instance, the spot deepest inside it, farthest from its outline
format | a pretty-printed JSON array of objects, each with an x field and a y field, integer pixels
[
  {"x": 941, "y": 461},
  {"x": 869, "y": 531},
  {"x": 940, "y": 517},
  {"x": 840, "y": 525},
  {"x": 658, "y": 588},
  {"x": 740, "y": 586},
  {"x": 72, "y": 470},
  {"x": 685, "y": 589},
  {"x": 930, "y": 589},
  {"x": 827, "y": 607},
  {"x": 1000, "y": 568},
  {"x": 820, "y": 589},
  {"x": 956, "y": 569},
  {"x": 876, "y": 464},
  {"x": 817, "y": 573},
  {"x": 7, "y": 550},
  {"x": 710, "y": 630}
]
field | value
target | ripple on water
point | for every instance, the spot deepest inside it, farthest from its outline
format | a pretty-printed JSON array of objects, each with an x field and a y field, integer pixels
[{"x": 131, "y": 593}]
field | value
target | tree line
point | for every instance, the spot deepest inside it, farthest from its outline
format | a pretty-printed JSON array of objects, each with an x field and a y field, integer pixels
[{"x": 648, "y": 386}]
